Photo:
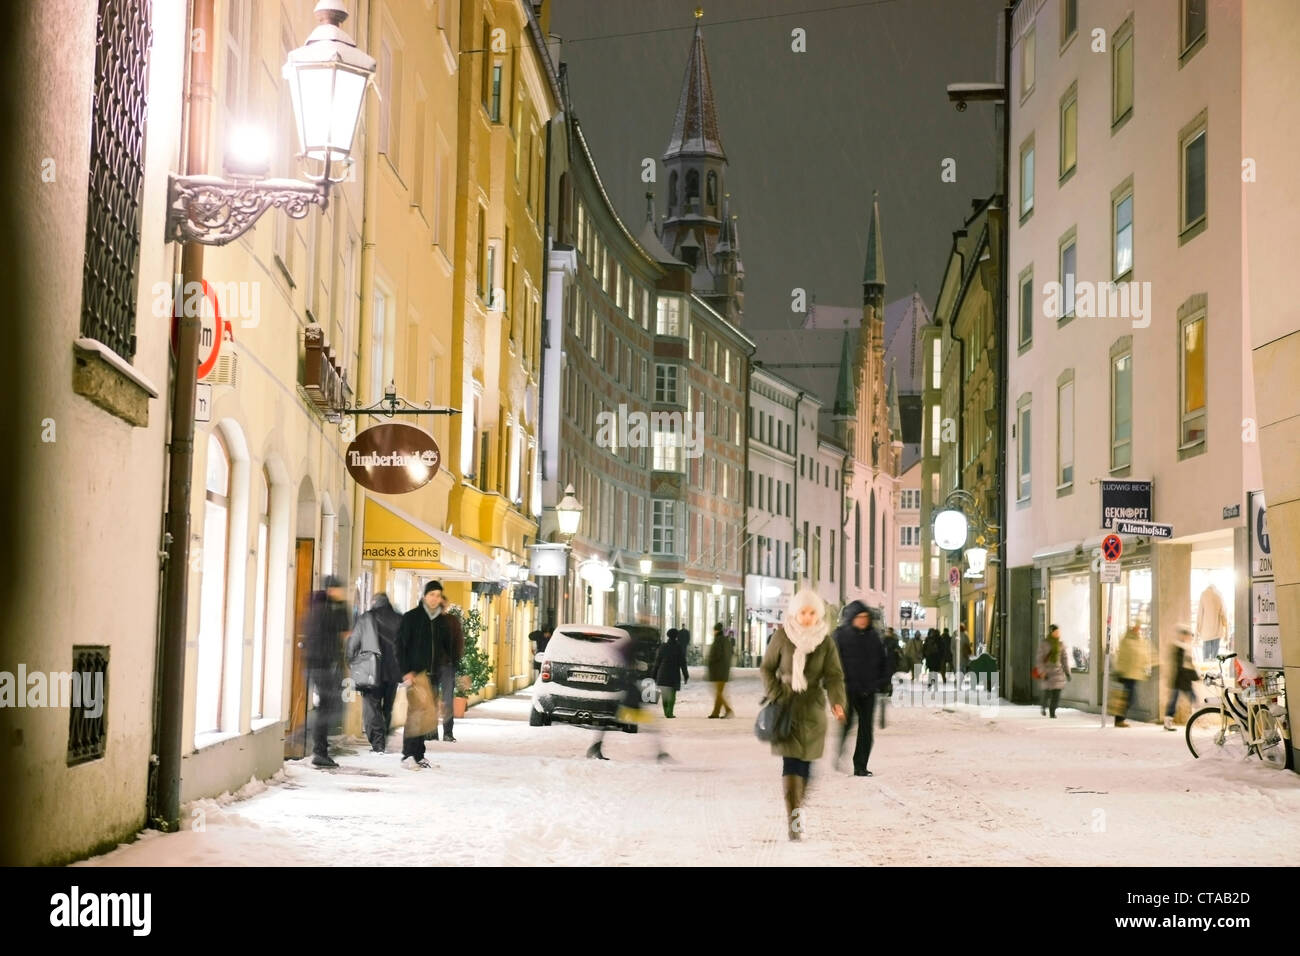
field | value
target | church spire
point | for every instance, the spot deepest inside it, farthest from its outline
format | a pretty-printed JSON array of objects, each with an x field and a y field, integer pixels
[
  {"x": 695, "y": 127},
  {"x": 845, "y": 406},
  {"x": 873, "y": 275}
]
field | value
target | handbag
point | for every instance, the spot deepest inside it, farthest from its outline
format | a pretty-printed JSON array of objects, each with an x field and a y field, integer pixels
[
  {"x": 365, "y": 671},
  {"x": 421, "y": 707},
  {"x": 1118, "y": 703},
  {"x": 1038, "y": 673},
  {"x": 775, "y": 721}
]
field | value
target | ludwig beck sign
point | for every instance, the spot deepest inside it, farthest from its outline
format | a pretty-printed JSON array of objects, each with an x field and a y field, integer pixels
[{"x": 392, "y": 459}]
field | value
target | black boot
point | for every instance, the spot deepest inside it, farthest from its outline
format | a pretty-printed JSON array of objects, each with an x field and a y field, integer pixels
[{"x": 593, "y": 752}]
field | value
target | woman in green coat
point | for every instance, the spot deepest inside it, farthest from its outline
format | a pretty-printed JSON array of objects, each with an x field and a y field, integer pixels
[{"x": 800, "y": 669}]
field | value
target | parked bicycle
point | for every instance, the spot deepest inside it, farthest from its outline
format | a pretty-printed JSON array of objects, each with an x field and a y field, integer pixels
[{"x": 1250, "y": 721}]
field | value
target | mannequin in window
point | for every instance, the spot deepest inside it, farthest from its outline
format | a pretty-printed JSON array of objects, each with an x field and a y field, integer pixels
[{"x": 1211, "y": 622}]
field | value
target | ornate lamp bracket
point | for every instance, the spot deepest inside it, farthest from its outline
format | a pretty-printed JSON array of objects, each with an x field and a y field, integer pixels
[{"x": 215, "y": 211}]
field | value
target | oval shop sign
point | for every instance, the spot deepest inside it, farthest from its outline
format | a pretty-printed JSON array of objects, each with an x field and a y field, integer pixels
[{"x": 392, "y": 459}]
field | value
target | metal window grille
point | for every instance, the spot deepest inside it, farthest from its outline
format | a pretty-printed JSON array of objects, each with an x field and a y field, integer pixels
[
  {"x": 87, "y": 735},
  {"x": 116, "y": 174}
]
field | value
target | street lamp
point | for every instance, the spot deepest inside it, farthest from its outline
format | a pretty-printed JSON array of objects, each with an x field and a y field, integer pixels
[
  {"x": 951, "y": 525},
  {"x": 327, "y": 78},
  {"x": 569, "y": 513}
]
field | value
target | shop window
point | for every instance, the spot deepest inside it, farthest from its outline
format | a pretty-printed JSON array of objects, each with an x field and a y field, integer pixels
[
  {"x": 1071, "y": 611},
  {"x": 212, "y": 590}
]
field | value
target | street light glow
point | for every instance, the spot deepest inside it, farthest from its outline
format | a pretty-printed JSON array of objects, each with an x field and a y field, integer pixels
[{"x": 950, "y": 529}]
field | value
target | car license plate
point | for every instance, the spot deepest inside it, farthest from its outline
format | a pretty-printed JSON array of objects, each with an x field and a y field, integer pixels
[{"x": 583, "y": 677}]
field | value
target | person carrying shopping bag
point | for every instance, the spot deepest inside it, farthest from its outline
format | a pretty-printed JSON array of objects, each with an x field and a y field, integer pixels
[
  {"x": 1054, "y": 667},
  {"x": 800, "y": 669},
  {"x": 1132, "y": 664}
]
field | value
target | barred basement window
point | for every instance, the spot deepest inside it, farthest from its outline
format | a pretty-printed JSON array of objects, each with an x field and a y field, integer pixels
[
  {"x": 108, "y": 296},
  {"x": 86, "y": 734}
]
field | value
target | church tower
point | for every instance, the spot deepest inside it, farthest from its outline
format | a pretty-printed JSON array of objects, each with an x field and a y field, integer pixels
[
  {"x": 875, "y": 415},
  {"x": 699, "y": 228}
]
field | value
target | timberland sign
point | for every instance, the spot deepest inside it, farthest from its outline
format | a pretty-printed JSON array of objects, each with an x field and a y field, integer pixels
[{"x": 392, "y": 459}]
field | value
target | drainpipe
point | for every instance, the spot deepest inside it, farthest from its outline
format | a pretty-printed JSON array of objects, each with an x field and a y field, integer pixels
[
  {"x": 164, "y": 809},
  {"x": 369, "y": 212},
  {"x": 1004, "y": 588}
]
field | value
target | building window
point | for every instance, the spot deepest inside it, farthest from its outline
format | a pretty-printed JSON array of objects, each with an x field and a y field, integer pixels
[
  {"x": 116, "y": 181},
  {"x": 379, "y": 353},
  {"x": 1194, "y": 22},
  {"x": 1069, "y": 20},
  {"x": 212, "y": 592},
  {"x": 936, "y": 363},
  {"x": 1121, "y": 410},
  {"x": 260, "y": 585},
  {"x": 494, "y": 110},
  {"x": 1065, "y": 433},
  {"x": 1122, "y": 74},
  {"x": 1069, "y": 259},
  {"x": 663, "y": 537},
  {"x": 1192, "y": 380},
  {"x": 496, "y": 296},
  {"x": 1027, "y": 65},
  {"x": 934, "y": 430},
  {"x": 485, "y": 81},
  {"x": 669, "y": 318},
  {"x": 1023, "y": 440},
  {"x": 1026, "y": 307},
  {"x": 1026, "y": 179},
  {"x": 1069, "y": 130},
  {"x": 481, "y": 260},
  {"x": 667, "y": 451},
  {"x": 1191, "y": 148},
  {"x": 1122, "y": 218},
  {"x": 390, "y": 92}
]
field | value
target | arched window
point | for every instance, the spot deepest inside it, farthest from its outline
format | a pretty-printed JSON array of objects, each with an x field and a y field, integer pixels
[
  {"x": 692, "y": 185},
  {"x": 871, "y": 553},
  {"x": 260, "y": 588},
  {"x": 857, "y": 544},
  {"x": 711, "y": 188},
  {"x": 672, "y": 190},
  {"x": 212, "y": 591}
]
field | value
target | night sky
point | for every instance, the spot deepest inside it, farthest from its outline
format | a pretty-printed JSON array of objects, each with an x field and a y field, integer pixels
[{"x": 807, "y": 135}]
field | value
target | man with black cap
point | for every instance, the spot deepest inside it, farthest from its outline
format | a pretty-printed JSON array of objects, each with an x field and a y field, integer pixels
[
  {"x": 327, "y": 626},
  {"x": 430, "y": 641},
  {"x": 863, "y": 658}
]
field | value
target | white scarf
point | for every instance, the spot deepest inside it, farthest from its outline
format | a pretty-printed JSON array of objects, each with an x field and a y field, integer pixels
[{"x": 805, "y": 640}]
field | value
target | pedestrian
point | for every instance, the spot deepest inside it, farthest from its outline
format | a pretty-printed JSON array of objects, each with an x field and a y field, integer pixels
[
  {"x": 800, "y": 669},
  {"x": 1054, "y": 666},
  {"x": 965, "y": 647},
  {"x": 372, "y": 656},
  {"x": 945, "y": 654},
  {"x": 539, "y": 639},
  {"x": 864, "y": 660},
  {"x": 1132, "y": 664},
  {"x": 720, "y": 671},
  {"x": 447, "y": 664},
  {"x": 327, "y": 627},
  {"x": 670, "y": 669},
  {"x": 632, "y": 710},
  {"x": 893, "y": 662},
  {"x": 1182, "y": 672},
  {"x": 915, "y": 654},
  {"x": 426, "y": 647}
]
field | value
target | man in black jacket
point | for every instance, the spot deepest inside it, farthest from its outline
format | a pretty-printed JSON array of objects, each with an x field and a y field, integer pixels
[
  {"x": 863, "y": 657},
  {"x": 327, "y": 626},
  {"x": 430, "y": 641}
]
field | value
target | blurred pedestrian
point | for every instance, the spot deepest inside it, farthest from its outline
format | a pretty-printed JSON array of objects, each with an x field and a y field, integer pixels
[
  {"x": 720, "y": 652},
  {"x": 915, "y": 653},
  {"x": 864, "y": 659},
  {"x": 1054, "y": 665},
  {"x": 632, "y": 711},
  {"x": 800, "y": 668},
  {"x": 1182, "y": 673},
  {"x": 327, "y": 627},
  {"x": 670, "y": 669},
  {"x": 539, "y": 639},
  {"x": 372, "y": 657},
  {"x": 1132, "y": 664}
]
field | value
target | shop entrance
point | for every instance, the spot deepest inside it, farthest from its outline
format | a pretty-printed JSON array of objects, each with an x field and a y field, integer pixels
[{"x": 295, "y": 734}]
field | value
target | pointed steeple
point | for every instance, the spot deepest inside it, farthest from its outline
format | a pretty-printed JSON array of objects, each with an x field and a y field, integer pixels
[
  {"x": 695, "y": 127},
  {"x": 845, "y": 406},
  {"x": 874, "y": 272}
]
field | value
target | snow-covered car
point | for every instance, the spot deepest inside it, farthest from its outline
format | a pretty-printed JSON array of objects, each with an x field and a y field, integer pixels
[{"x": 583, "y": 678}]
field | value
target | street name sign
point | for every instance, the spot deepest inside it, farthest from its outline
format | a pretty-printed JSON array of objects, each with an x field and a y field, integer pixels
[{"x": 1147, "y": 529}]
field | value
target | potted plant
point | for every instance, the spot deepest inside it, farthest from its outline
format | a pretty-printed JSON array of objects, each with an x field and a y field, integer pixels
[{"x": 474, "y": 671}]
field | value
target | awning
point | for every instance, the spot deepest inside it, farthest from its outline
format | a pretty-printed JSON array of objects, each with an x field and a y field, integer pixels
[{"x": 390, "y": 534}]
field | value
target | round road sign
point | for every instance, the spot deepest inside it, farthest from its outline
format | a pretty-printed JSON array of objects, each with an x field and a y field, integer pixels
[{"x": 1111, "y": 547}]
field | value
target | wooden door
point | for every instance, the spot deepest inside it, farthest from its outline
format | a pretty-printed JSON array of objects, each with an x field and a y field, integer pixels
[{"x": 295, "y": 736}]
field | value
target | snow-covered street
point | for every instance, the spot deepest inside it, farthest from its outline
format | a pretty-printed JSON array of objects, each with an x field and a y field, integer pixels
[{"x": 951, "y": 787}]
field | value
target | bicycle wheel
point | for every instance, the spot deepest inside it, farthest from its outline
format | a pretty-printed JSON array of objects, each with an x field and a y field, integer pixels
[
  {"x": 1272, "y": 748},
  {"x": 1213, "y": 734}
]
